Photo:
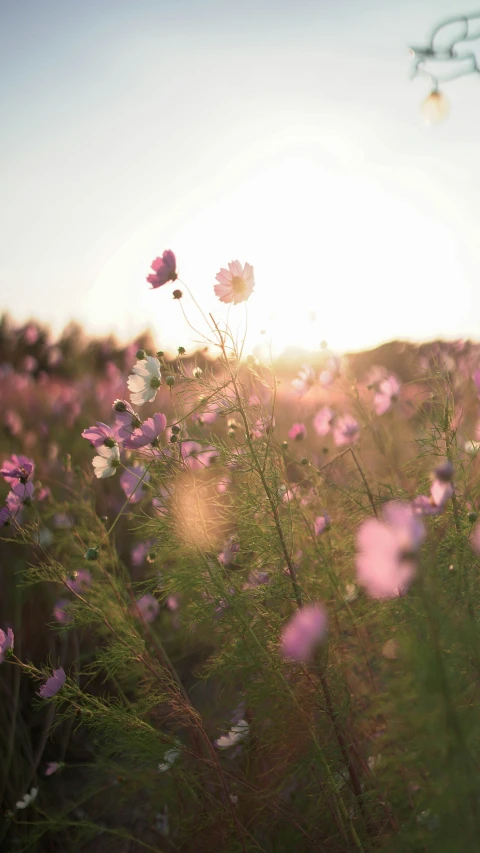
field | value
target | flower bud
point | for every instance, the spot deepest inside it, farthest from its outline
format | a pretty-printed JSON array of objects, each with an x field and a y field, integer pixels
[
  {"x": 197, "y": 372},
  {"x": 181, "y": 350},
  {"x": 170, "y": 380},
  {"x": 472, "y": 517},
  {"x": 177, "y": 294},
  {"x": 304, "y": 461},
  {"x": 109, "y": 442},
  {"x": 175, "y": 429},
  {"x": 160, "y": 353},
  {"x": 91, "y": 554},
  {"x": 120, "y": 406},
  {"x": 140, "y": 353},
  {"x": 173, "y": 438}
]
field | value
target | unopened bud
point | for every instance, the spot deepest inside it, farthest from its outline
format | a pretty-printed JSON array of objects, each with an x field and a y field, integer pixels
[
  {"x": 160, "y": 353},
  {"x": 170, "y": 380},
  {"x": 91, "y": 554},
  {"x": 140, "y": 353},
  {"x": 175, "y": 429},
  {"x": 472, "y": 517},
  {"x": 120, "y": 406},
  {"x": 181, "y": 350},
  {"x": 177, "y": 294}
]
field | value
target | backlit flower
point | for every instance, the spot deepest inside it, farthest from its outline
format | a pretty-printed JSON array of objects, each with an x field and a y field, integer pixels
[
  {"x": 107, "y": 462},
  {"x": 132, "y": 483},
  {"x": 53, "y": 684},
  {"x": 99, "y": 434},
  {"x": 6, "y": 642},
  {"x": 386, "y": 550},
  {"x": 235, "y": 284},
  {"x": 79, "y": 581},
  {"x": 304, "y": 380},
  {"x": 147, "y": 433},
  {"x": 297, "y": 432},
  {"x": 323, "y": 420},
  {"x": 304, "y": 631},
  {"x": 144, "y": 381},
  {"x": 321, "y": 523},
  {"x": 345, "y": 431},
  {"x": 146, "y": 608},
  {"x": 17, "y": 468},
  {"x": 237, "y": 733},
  {"x": 164, "y": 269},
  {"x": 386, "y": 394}
]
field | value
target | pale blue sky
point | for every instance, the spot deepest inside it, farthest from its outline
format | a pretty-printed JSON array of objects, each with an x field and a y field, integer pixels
[{"x": 286, "y": 134}]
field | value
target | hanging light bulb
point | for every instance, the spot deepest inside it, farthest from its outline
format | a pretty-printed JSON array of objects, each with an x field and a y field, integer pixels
[{"x": 435, "y": 107}]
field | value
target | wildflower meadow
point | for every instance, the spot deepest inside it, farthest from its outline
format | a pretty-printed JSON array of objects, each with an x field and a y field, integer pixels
[{"x": 240, "y": 596}]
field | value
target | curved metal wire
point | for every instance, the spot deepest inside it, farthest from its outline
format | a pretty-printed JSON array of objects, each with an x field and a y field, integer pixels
[{"x": 447, "y": 52}]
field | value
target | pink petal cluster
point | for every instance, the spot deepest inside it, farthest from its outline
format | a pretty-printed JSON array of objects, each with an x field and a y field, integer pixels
[
  {"x": 196, "y": 455},
  {"x": 304, "y": 631},
  {"x": 53, "y": 684},
  {"x": 235, "y": 284},
  {"x": 147, "y": 433},
  {"x": 386, "y": 394},
  {"x": 345, "y": 431},
  {"x": 441, "y": 491},
  {"x": 164, "y": 269},
  {"x": 147, "y": 608},
  {"x": 17, "y": 468},
  {"x": 99, "y": 434},
  {"x": 79, "y": 581},
  {"x": 305, "y": 380},
  {"x": 386, "y": 550},
  {"x": 6, "y": 642},
  {"x": 297, "y": 432},
  {"x": 323, "y": 420},
  {"x": 321, "y": 523},
  {"x": 131, "y": 485}
]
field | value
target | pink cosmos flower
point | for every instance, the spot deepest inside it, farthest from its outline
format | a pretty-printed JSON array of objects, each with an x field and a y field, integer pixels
[
  {"x": 235, "y": 284},
  {"x": 126, "y": 420},
  {"x": 386, "y": 550},
  {"x": 226, "y": 556},
  {"x": 386, "y": 394},
  {"x": 20, "y": 493},
  {"x": 297, "y": 432},
  {"x": 147, "y": 608},
  {"x": 321, "y": 523},
  {"x": 323, "y": 420},
  {"x": 164, "y": 269},
  {"x": 100, "y": 434},
  {"x": 327, "y": 377},
  {"x": 60, "y": 612},
  {"x": 31, "y": 334},
  {"x": 79, "y": 581},
  {"x": 304, "y": 631},
  {"x": 196, "y": 455},
  {"x": 17, "y": 468},
  {"x": 345, "y": 431},
  {"x": 304, "y": 380},
  {"x": 6, "y": 642},
  {"x": 441, "y": 491},
  {"x": 53, "y": 684},
  {"x": 51, "y": 768},
  {"x": 140, "y": 551},
  {"x": 147, "y": 433},
  {"x": 130, "y": 483}
]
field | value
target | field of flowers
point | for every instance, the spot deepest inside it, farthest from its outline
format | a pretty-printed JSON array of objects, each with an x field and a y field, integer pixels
[{"x": 240, "y": 600}]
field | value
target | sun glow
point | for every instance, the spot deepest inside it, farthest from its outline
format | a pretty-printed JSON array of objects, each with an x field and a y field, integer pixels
[{"x": 340, "y": 254}]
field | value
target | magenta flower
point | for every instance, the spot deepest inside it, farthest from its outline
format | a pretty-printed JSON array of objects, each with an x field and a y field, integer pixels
[
  {"x": 140, "y": 551},
  {"x": 17, "y": 468},
  {"x": 386, "y": 550},
  {"x": 304, "y": 380},
  {"x": 304, "y": 631},
  {"x": 345, "y": 431},
  {"x": 100, "y": 434},
  {"x": 164, "y": 269},
  {"x": 126, "y": 420},
  {"x": 60, "y": 613},
  {"x": 441, "y": 491},
  {"x": 323, "y": 420},
  {"x": 6, "y": 643},
  {"x": 386, "y": 394},
  {"x": 147, "y": 433},
  {"x": 80, "y": 581},
  {"x": 130, "y": 483},
  {"x": 53, "y": 684},
  {"x": 321, "y": 523},
  {"x": 4, "y": 516},
  {"x": 146, "y": 608},
  {"x": 52, "y": 767},
  {"x": 196, "y": 455},
  {"x": 297, "y": 432},
  {"x": 235, "y": 284}
]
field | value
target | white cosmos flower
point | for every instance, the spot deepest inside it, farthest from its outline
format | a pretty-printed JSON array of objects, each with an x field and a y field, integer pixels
[
  {"x": 236, "y": 734},
  {"x": 27, "y": 799},
  {"x": 107, "y": 462},
  {"x": 170, "y": 757},
  {"x": 144, "y": 382}
]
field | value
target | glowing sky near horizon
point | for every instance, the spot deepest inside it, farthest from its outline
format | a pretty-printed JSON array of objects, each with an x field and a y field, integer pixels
[{"x": 283, "y": 134}]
